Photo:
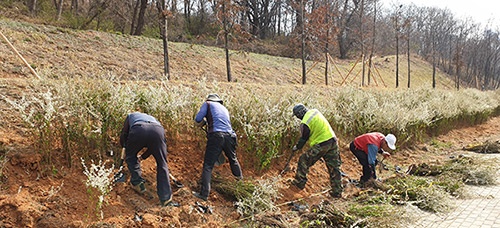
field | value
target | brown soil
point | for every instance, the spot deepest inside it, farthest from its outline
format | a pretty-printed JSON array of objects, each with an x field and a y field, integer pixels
[
  {"x": 33, "y": 195},
  {"x": 29, "y": 197}
]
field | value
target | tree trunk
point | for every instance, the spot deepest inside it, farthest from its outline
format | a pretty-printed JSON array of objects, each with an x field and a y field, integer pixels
[
  {"x": 134, "y": 17},
  {"x": 303, "y": 42},
  {"x": 162, "y": 10},
  {"x": 373, "y": 41},
  {"x": 187, "y": 12},
  {"x": 59, "y": 10},
  {"x": 327, "y": 22},
  {"x": 74, "y": 7},
  {"x": 433, "y": 63},
  {"x": 226, "y": 42},
  {"x": 397, "y": 52},
  {"x": 362, "y": 40},
  {"x": 32, "y": 7},
  {"x": 279, "y": 18},
  {"x": 140, "y": 20},
  {"x": 408, "y": 54}
]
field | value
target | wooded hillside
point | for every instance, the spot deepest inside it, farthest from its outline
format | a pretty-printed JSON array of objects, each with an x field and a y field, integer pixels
[{"x": 311, "y": 30}]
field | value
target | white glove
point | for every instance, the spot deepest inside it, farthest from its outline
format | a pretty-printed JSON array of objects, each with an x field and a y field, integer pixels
[{"x": 295, "y": 148}]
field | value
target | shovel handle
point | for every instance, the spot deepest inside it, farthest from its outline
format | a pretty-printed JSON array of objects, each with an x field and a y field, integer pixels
[{"x": 122, "y": 156}]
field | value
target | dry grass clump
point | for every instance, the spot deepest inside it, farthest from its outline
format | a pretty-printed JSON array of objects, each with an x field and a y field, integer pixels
[
  {"x": 262, "y": 199},
  {"x": 234, "y": 189},
  {"x": 86, "y": 114},
  {"x": 472, "y": 170},
  {"x": 325, "y": 214},
  {"x": 420, "y": 191}
]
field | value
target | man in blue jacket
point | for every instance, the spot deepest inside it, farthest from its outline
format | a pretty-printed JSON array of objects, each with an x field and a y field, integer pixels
[
  {"x": 220, "y": 137},
  {"x": 141, "y": 130}
]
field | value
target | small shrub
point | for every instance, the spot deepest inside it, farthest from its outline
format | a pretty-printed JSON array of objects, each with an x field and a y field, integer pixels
[
  {"x": 433, "y": 199},
  {"x": 234, "y": 190},
  {"x": 326, "y": 214},
  {"x": 262, "y": 199},
  {"x": 99, "y": 184},
  {"x": 472, "y": 170}
]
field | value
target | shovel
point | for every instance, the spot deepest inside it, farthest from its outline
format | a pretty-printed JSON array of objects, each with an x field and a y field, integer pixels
[
  {"x": 287, "y": 165},
  {"x": 120, "y": 176}
]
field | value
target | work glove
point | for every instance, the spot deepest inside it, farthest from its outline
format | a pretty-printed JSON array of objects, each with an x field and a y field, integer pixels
[
  {"x": 294, "y": 148},
  {"x": 201, "y": 124}
]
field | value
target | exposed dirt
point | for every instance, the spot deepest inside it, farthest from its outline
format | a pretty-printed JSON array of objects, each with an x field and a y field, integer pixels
[
  {"x": 31, "y": 198},
  {"x": 32, "y": 195}
]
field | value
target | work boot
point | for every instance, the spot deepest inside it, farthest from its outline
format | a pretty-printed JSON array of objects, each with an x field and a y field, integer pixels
[
  {"x": 363, "y": 183},
  {"x": 199, "y": 196},
  {"x": 140, "y": 188},
  {"x": 169, "y": 203},
  {"x": 299, "y": 184},
  {"x": 165, "y": 203}
]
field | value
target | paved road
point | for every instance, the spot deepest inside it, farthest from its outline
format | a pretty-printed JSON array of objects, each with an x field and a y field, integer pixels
[{"x": 481, "y": 210}]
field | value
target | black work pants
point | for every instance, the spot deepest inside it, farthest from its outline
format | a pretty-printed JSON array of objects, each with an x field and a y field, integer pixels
[
  {"x": 216, "y": 143},
  {"x": 368, "y": 170},
  {"x": 151, "y": 136}
]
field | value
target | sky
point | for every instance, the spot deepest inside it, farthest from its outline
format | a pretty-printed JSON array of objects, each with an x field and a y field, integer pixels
[{"x": 480, "y": 11}]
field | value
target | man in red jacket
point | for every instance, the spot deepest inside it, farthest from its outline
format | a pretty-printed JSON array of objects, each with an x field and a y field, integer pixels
[{"x": 365, "y": 147}]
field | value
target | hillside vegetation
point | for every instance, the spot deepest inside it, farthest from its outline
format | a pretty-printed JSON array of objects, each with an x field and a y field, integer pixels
[
  {"x": 90, "y": 80},
  {"x": 56, "y": 52}
]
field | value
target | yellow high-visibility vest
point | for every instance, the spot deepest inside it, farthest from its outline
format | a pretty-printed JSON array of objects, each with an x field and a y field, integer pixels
[{"x": 319, "y": 127}]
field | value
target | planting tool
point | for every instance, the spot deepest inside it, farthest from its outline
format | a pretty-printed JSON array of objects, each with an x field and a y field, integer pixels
[
  {"x": 287, "y": 165},
  {"x": 176, "y": 182},
  {"x": 120, "y": 176}
]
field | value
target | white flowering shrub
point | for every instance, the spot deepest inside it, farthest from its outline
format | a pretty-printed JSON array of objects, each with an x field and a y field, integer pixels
[
  {"x": 99, "y": 183},
  {"x": 87, "y": 114}
]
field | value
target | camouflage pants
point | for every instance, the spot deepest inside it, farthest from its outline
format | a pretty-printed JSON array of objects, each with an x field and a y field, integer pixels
[{"x": 331, "y": 156}]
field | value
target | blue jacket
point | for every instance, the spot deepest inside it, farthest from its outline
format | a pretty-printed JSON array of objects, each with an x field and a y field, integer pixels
[{"x": 217, "y": 117}]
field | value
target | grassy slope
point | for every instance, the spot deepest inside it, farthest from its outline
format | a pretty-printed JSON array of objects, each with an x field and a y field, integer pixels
[{"x": 56, "y": 52}]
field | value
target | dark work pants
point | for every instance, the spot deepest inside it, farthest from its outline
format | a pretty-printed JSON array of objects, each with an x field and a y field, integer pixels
[
  {"x": 151, "y": 136},
  {"x": 216, "y": 143},
  {"x": 368, "y": 171}
]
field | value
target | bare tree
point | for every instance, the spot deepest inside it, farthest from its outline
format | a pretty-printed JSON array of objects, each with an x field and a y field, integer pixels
[
  {"x": 303, "y": 41},
  {"x": 96, "y": 8},
  {"x": 226, "y": 25},
  {"x": 74, "y": 7},
  {"x": 260, "y": 14},
  {"x": 59, "y": 5},
  {"x": 161, "y": 5},
  {"x": 32, "y": 6},
  {"x": 407, "y": 26},
  {"x": 343, "y": 20},
  {"x": 362, "y": 41},
  {"x": 396, "y": 17},
  {"x": 140, "y": 20},
  {"x": 373, "y": 40}
]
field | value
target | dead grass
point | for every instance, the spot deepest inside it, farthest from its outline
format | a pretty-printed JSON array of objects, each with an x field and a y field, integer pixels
[{"x": 88, "y": 53}]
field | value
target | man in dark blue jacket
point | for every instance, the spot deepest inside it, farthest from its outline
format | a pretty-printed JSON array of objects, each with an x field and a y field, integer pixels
[
  {"x": 139, "y": 131},
  {"x": 220, "y": 137}
]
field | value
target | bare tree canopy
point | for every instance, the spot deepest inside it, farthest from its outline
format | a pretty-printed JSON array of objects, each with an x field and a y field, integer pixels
[{"x": 307, "y": 29}]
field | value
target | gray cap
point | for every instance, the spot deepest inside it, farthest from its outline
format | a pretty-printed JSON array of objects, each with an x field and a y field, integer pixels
[
  {"x": 213, "y": 97},
  {"x": 299, "y": 110}
]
